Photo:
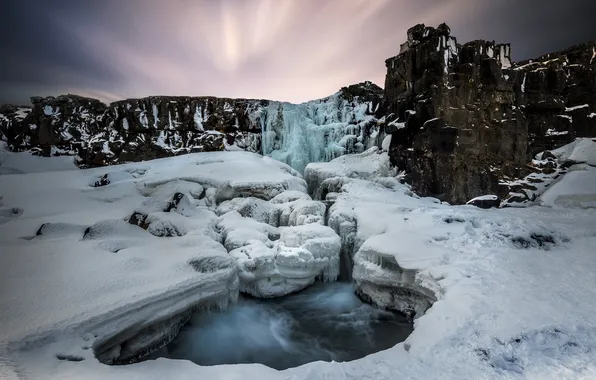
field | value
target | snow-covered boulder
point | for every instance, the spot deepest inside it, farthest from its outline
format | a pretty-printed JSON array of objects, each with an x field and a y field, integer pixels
[
  {"x": 576, "y": 189},
  {"x": 582, "y": 150},
  {"x": 291, "y": 208},
  {"x": 385, "y": 277},
  {"x": 485, "y": 201},
  {"x": 274, "y": 261},
  {"x": 366, "y": 165}
]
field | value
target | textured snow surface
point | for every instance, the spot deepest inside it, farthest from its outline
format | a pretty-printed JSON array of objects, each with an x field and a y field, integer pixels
[
  {"x": 582, "y": 150},
  {"x": 578, "y": 187},
  {"x": 19, "y": 164},
  {"x": 512, "y": 288}
]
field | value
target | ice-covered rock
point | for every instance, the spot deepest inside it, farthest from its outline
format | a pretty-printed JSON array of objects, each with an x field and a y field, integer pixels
[
  {"x": 279, "y": 261},
  {"x": 287, "y": 209},
  {"x": 385, "y": 276},
  {"x": 367, "y": 165}
]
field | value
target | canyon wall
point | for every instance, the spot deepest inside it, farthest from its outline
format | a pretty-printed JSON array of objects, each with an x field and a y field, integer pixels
[{"x": 465, "y": 117}]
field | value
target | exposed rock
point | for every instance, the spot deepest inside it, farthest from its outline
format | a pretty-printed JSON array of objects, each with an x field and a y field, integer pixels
[
  {"x": 103, "y": 181},
  {"x": 485, "y": 201},
  {"x": 462, "y": 117},
  {"x": 162, "y": 126},
  {"x": 557, "y": 94}
]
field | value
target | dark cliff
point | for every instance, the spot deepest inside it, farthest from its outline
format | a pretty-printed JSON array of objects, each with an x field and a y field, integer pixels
[{"x": 464, "y": 117}]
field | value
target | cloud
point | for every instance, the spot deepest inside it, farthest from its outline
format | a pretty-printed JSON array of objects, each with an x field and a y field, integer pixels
[{"x": 292, "y": 50}]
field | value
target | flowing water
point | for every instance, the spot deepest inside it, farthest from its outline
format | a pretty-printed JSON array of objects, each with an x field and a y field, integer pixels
[{"x": 324, "y": 322}]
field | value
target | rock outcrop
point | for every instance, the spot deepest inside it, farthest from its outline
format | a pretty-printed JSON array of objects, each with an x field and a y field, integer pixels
[
  {"x": 160, "y": 126},
  {"x": 557, "y": 93},
  {"x": 465, "y": 120}
]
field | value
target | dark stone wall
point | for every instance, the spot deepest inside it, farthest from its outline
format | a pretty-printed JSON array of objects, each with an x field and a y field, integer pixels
[{"x": 464, "y": 116}]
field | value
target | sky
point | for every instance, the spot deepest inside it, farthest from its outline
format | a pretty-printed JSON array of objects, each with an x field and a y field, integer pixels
[{"x": 291, "y": 50}]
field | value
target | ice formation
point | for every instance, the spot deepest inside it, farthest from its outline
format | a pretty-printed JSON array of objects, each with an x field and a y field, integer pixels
[
  {"x": 281, "y": 245},
  {"x": 319, "y": 130}
]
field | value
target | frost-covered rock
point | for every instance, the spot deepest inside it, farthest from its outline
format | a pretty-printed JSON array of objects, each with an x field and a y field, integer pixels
[
  {"x": 289, "y": 208},
  {"x": 367, "y": 165},
  {"x": 383, "y": 281},
  {"x": 300, "y": 256}
]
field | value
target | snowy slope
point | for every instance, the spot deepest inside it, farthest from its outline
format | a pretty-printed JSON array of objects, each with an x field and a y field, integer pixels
[
  {"x": 510, "y": 288},
  {"x": 578, "y": 187}
]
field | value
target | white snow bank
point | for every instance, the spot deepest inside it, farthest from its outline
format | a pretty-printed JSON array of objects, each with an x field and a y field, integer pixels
[
  {"x": 25, "y": 162},
  {"x": 582, "y": 150},
  {"x": 367, "y": 165},
  {"x": 575, "y": 189},
  {"x": 73, "y": 268}
]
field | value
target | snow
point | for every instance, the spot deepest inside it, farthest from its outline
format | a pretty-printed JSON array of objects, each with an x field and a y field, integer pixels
[
  {"x": 368, "y": 164},
  {"x": 523, "y": 85},
  {"x": 485, "y": 198},
  {"x": 576, "y": 189},
  {"x": 582, "y": 150},
  {"x": 554, "y": 132},
  {"x": 155, "y": 115},
  {"x": 569, "y": 109},
  {"x": 25, "y": 162},
  {"x": 506, "y": 292},
  {"x": 386, "y": 143},
  {"x": 22, "y": 113}
]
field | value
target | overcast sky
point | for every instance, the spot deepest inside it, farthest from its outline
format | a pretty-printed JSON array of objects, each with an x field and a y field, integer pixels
[{"x": 293, "y": 50}]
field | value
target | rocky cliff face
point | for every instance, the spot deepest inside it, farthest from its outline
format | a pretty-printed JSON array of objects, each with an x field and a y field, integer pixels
[
  {"x": 466, "y": 121},
  {"x": 155, "y": 127},
  {"x": 557, "y": 93}
]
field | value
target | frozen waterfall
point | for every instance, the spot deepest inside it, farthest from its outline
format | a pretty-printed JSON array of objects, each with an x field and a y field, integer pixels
[{"x": 320, "y": 130}]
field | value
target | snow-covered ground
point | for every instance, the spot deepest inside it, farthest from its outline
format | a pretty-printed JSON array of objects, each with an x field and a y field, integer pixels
[{"x": 511, "y": 289}]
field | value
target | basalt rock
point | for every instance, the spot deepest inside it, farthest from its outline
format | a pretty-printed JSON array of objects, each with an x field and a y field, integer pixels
[
  {"x": 557, "y": 93},
  {"x": 163, "y": 126},
  {"x": 463, "y": 117},
  {"x": 454, "y": 114}
]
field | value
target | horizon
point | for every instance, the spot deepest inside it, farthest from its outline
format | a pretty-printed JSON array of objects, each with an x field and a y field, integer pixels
[{"x": 279, "y": 50}]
